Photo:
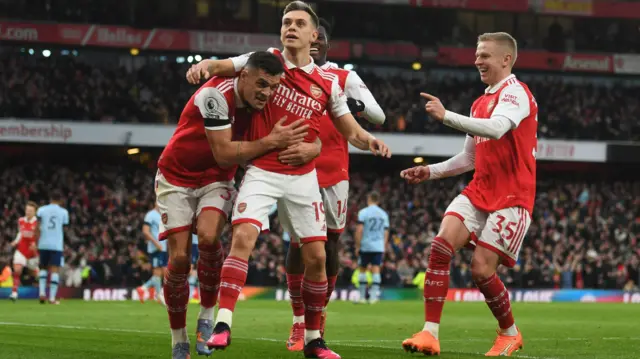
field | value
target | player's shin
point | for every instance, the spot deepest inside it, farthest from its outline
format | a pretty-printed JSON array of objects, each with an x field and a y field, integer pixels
[
  {"x": 295, "y": 273},
  {"x": 376, "y": 280},
  {"x": 209, "y": 267},
  {"x": 314, "y": 288},
  {"x": 16, "y": 281},
  {"x": 497, "y": 298},
  {"x": 176, "y": 295},
  {"x": 42, "y": 282},
  {"x": 333, "y": 262},
  {"x": 436, "y": 283},
  {"x": 362, "y": 285},
  {"x": 234, "y": 270},
  {"x": 53, "y": 286}
]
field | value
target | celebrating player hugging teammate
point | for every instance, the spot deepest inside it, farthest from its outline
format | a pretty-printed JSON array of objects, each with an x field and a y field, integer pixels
[
  {"x": 332, "y": 167},
  {"x": 493, "y": 212},
  {"x": 294, "y": 188},
  {"x": 195, "y": 179}
]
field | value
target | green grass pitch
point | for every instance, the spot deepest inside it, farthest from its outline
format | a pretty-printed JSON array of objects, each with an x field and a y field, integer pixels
[{"x": 114, "y": 330}]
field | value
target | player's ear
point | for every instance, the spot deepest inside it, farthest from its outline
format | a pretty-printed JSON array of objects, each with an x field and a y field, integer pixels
[{"x": 314, "y": 35}]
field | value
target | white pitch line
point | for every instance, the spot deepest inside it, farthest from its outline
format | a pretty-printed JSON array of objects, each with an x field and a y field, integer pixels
[{"x": 346, "y": 343}]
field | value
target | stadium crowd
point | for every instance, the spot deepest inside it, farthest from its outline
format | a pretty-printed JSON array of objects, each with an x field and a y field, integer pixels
[
  {"x": 64, "y": 87},
  {"x": 583, "y": 234}
]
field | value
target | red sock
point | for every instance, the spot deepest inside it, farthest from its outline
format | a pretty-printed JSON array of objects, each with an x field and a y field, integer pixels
[
  {"x": 497, "y": 298},
  {"x": 294, "y": 283},
  {"x": 209, "y": 268},
  {"x": 436, "y": 282},
  {"x": 330, "y": 287},
  {"x": 176, "y": 295},
  {"x": 313, "y": 297},
  {"x": 232, "y": 279},
  {"x": 16, "y": 281}
]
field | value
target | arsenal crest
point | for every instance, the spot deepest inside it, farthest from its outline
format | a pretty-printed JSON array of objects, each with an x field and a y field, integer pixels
[
  {"x": 316, "y": 91},
  {"x": 241, "y": 207},
  {"x": 165, "y": 218},
  {"x": 491, "y": 104}
]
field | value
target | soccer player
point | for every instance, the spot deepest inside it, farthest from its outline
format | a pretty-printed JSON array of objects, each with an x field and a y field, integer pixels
[
  {"x": 493, "y": 212},
  {"x": 26, "y": 254},
  {"x": 157, "y": 251},
  {"x": 52, "y": 218},
  {"x": 305, "y": 91},
  {"x": 195, "y": 179},
  {"x": 333, "y": 176},
  {"x": 372, "y": 234}
]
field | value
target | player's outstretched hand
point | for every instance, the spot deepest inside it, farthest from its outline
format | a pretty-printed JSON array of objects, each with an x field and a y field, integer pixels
[
  {"x": 434, "y": 107},
  {"x": 299, "y": 154},
  {"x": 291, "y": 134},
  {"x": 198, "y": 72},
  {"x": 416, "y": 174},
  {"x": 379, "y": 148}
]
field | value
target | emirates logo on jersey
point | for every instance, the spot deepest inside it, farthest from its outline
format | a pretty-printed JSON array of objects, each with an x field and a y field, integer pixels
[
  {"x": 316, "y": 91},
  {"x": 491, "y": 104}
]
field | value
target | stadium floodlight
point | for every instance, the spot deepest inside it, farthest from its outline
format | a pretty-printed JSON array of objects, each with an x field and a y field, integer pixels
[
  {"x": 416, "y": 66},
  {"x": 190, "y": 59},
  {"x": 348, "y": 67},
  {"x": 64, "y": 52},
  {"x": 46, "y": 53},
  {"x": 31, "y": 52},
  {"x": 134, "y": 52},
  {"x": 198, "y": 58},
  {"x": 214, "y": 57},
  {"x": 418, "y": 160},
  {"x": 133, "y": 151},
  {"x": 180, "y": 59}
]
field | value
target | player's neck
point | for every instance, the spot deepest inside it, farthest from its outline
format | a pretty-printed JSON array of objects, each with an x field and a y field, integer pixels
[
  {"x": 500, "y": 78},
  {"x": 29, "y": 217},
  {"x": 298, "y": 57},
  {"x": 321, "y": 62}
]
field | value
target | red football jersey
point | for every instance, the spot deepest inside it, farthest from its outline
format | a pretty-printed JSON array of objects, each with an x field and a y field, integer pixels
[
  {"x": 505, "y": 169},
  {"x": 333, "y": 163},
  {"x": 187, "y": 160},
  {"x": 27, "y": 236},
  {"x": 304, "y": 92}
]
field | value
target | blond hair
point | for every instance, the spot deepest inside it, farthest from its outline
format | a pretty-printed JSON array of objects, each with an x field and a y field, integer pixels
[
  {"x": 502, "y": 38},
  {"x": 302, "y": 6}
]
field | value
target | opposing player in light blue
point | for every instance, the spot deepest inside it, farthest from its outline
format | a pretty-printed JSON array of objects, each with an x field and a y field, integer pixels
[
  {"x": 372, "y": 234},
  {"x": 52, "y": 218},
  {"x": 157, "y": 251}
]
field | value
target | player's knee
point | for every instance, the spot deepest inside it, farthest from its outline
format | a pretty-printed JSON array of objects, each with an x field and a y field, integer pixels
[
  {"x": 244, "y": 238},
  {"x": 180, "y": 260},
  {"x": 314, "y": 256},
  {"x": 454, "y": 232},
  {"x": 207, "y": 236},
  {"x": 480, "y": 269}
]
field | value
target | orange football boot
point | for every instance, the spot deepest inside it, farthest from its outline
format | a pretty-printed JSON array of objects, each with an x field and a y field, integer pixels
[
  {"x": 505, "y": 345},
  {"x": 295, "y": 343},
  {"x": 423, "y": 342}
]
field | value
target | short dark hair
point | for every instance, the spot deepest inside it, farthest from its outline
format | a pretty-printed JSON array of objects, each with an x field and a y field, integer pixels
[
  {"x": 327, "y": 26},
  {"x": 265, "y": 61},
  {"x": 374, "y": 196},
  {"x": 302, "y": 6},
  {"x": 56, "y": 195}
]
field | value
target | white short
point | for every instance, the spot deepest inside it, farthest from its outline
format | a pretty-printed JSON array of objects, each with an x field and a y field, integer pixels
[
  {"x": 335, "y": 200},
  {"x": 31, "y": 263},
  {"x": 300, "y": 207},
  {"x": 179, "y": 206},
  {"x": 502, "y": 231}
]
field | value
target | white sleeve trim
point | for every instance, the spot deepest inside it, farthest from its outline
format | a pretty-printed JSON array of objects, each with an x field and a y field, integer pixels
[
  {"x": 494, "y": 127},
  {"x": 337, "y": 101},
  {"x": 213, "y": 107},
  {"x": 458, "y": 164},
  {"x": 355, "y": 88}
]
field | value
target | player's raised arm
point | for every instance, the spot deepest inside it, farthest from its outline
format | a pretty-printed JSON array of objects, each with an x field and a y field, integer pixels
[
  {"x": 511, "y": 109},
  {"x": 350, "y": 128},
  {"x": 456, "y": 165},
  {"x": 360, "y": 100},
  {"x": 205, "y": 69}
]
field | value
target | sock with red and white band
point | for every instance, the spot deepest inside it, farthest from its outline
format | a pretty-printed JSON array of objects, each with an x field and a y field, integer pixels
[
  {"x": 294, "y": 284},
  {"x": 497, "y": 298},
  {"x": 436, "y": 284},
  {"x": 176, "y": 296},
  {"x": 313, "y": 297},
  {"x": 16, "y": 282},
  {"x": 232, "y": 280},
  {"x": 210, "y": 264}
]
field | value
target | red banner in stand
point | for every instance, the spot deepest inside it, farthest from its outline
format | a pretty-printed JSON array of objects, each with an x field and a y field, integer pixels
[
  {"x": 535, "y": 60},
  {"x": 494, "y": 5}
]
